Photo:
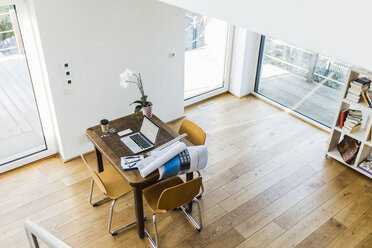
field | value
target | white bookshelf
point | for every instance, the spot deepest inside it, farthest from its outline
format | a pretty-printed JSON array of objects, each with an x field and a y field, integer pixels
[{"x": 363, "y": 135}]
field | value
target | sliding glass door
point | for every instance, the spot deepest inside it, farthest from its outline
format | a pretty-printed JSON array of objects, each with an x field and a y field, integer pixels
[
  {"x": 206, "y": 52},
  {"x": 21, "y": 131},
  {"x": 304, "y": 81}
]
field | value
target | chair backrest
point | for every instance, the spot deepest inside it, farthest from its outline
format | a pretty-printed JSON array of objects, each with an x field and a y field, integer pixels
[
  {"x": 179, "y": 195},
  {"x": 94, "y": 175},
  {"x": 195, "y": 134}
]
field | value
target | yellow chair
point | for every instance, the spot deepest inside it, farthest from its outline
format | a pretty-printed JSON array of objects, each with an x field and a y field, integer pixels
[
  {"x": 196, "y": 136},
  {"x": 113, "y": 186},
  {"x": 169, "y": 194}
]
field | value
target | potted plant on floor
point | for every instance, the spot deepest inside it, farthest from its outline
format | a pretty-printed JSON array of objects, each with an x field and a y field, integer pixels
[{"x": 126, "y": 78}]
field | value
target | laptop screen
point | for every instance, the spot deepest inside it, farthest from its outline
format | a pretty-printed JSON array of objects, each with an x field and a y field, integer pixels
[{"x": 149, "y": 129}]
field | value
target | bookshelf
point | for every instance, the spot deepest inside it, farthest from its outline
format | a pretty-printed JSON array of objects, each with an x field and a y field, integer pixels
[{"x": 363, "y": 136}]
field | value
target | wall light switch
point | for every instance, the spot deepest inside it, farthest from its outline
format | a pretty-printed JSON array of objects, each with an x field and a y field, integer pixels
[{"x": 172, "y": 54}]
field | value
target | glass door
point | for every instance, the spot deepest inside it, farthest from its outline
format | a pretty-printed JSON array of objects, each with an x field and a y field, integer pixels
[
  {"x": 206, "y": 55},
  {"x": 21, "y": 131},
  {"x": 304, "y": 81}
]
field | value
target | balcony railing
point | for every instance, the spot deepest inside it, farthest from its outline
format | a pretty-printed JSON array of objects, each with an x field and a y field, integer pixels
[{"x": 334, "y": 71}]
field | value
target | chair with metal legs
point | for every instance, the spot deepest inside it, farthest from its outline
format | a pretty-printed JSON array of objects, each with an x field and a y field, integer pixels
[
  {"x": 169, "y": 194},
  {"x": 113, "y": 186},
  {"x": 196, "y": 136}
]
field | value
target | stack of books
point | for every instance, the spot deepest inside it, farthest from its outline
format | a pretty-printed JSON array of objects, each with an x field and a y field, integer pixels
[
  {"x": 353, "y": 121},
  {"x": 356, "y": 89}
]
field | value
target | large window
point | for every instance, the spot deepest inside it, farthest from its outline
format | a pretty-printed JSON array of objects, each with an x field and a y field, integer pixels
[
  {"x": 304, "y": 81},
  {"x": 205, "y": 54}
]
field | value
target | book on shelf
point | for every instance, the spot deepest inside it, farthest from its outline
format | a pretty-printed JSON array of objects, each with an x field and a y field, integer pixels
[
  {"x": 348, "y": 148},
  {"x": 366, "y": 165},
  {"x": 343, "y": 115},
  {"x": 364, "y": 93},
  {"x": 352, "y": 118},
  {"x": 357, "y": 87},
  {"x": 353, "y": 98},
  {"x": 355, "y": 112},
  {"x": 363, "y": 81},
  {"x": 367, "y": 98},
  {"x": 352, "y": 129},
  {"x": 354, "y": 91}
]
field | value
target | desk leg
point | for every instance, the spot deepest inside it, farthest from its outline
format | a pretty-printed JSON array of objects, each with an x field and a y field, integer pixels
[
  {"x": 99, "y": 160},
  {"x": 138, "y": 208},
  {"x": 189, "y": 176}
]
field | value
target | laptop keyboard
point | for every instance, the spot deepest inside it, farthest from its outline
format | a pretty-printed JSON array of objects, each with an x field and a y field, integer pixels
[{"x": 140, "y": 141}]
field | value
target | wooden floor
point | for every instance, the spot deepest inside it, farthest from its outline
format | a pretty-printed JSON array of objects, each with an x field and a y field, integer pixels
[{"x": 267, "y": 184}]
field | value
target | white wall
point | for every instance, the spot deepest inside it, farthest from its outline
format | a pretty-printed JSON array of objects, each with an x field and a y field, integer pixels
[
  {"x": 100, "y": 38},
  {"x": 244, "y": 62},
  {"x": 336, "y": 28}
]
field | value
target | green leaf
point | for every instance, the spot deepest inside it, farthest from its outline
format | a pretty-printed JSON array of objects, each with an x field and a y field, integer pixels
[
  {"x": 144, "y": 99},
  {"x": 138, "y": 101},
  {"x": 137, "y": 109}
]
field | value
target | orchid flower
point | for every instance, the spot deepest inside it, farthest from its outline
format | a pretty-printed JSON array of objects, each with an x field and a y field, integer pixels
[{"x": 127, "y": 77}]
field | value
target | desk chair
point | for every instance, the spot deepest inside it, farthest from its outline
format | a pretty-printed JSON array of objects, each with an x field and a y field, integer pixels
[
  {"x": 169, "y": 194},
  {"x": 113, "y": 186},
  {"x": 195, "y": 135}
]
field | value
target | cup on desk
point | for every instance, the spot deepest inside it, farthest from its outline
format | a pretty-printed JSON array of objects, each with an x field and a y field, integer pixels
[{"x": 104, "y": 127}]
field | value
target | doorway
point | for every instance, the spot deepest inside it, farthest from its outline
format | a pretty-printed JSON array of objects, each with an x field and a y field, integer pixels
[
  {"x": 207, "y": 53},
  {"x": 22, "y": 133}
]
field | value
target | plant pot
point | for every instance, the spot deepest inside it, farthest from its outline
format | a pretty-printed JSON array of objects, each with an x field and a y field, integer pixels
[{"x": 147, "y": 110}]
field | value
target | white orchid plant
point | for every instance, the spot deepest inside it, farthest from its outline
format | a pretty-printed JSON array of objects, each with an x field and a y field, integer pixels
[{"x": 128, "y": 77}]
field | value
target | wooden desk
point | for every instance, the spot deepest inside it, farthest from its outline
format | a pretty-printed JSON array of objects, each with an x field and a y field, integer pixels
[{"x": 113, "y": 149}]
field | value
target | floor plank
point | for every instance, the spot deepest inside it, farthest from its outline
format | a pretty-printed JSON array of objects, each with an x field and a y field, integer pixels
[
  {"x": 263, "y": 237},
  {"x": 323, "y": 235}
]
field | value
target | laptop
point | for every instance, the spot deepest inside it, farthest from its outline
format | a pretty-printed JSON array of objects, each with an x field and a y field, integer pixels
[{"x": 145, "y": 139}]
